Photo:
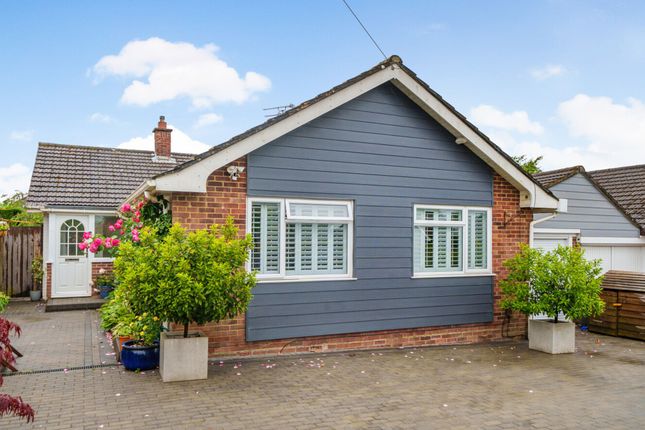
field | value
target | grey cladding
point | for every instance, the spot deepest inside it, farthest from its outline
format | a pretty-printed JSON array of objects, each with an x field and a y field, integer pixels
[{"x": 384, "y": 153}]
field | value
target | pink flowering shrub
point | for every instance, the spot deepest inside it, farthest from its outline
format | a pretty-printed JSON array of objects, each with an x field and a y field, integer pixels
[{"x": 132, "y": 217}]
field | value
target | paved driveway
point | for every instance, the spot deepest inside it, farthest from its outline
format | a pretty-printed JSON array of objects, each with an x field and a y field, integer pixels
[{"x": 482, "y": 387}]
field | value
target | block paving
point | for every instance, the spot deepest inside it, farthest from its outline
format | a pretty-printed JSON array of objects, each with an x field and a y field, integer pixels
[{"x": 484, "y": 386}]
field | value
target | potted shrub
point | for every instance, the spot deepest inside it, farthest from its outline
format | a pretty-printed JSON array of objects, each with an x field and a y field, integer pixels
[
  {"x": 37, "y": 274},
  {"x": 142, "y": 351},
  {"x": 105, "y": 283},
  {"x": 559, "y": 282},
  {"x": 187, "y": 278}
]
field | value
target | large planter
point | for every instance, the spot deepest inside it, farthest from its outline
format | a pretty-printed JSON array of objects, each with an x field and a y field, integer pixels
[
  {"x": 552, "y": 338},
  {"x": 135, "y": 357},
  {"x": 183, "y": 359}
]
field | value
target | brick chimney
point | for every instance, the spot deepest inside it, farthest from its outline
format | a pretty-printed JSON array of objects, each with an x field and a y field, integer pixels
[{"x": 162, "y": 139}]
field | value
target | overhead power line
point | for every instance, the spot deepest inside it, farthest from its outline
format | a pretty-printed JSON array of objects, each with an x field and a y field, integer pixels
[{"x": 365, "y": 29}]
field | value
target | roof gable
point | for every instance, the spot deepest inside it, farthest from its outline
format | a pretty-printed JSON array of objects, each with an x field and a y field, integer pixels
[
  {"x": 192, "y": 176},
  {"x": 554, "y": 178}
]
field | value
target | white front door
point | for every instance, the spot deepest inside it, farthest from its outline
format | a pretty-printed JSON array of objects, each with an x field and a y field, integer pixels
[{"x": 71, "y": 273}]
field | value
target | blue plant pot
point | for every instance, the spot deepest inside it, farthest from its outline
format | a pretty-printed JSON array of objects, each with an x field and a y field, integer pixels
[
  {"x": 105, "y": 290},
  {"x": 134, "y": 357}
]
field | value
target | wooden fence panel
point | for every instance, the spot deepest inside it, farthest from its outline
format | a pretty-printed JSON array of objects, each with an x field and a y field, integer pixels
[{"x": 18, "y": 247}]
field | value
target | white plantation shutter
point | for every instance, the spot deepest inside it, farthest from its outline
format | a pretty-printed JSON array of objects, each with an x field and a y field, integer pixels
[
  {"x": 477, "y": 239},
  {"x": 265, "y": 230},
  {"x": 445, "y": 237},
  {"x": 316, "y": 249}
]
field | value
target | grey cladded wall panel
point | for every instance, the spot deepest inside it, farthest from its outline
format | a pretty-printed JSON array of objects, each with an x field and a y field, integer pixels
[
  {"x": 385, "y": 154},
  {"x": 589, "y": 210}
]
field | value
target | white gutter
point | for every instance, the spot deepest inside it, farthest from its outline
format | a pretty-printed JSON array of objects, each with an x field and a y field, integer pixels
[{"x": 536, "y": 222}]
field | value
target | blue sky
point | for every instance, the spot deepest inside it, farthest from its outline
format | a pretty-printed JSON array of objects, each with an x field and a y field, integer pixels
[{"x": 563, "y": 79}]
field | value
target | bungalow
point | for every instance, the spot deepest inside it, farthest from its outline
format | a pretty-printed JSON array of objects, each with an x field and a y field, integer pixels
[
  {"x": 380, "y": 216},
  {"x": 605, "y": 215}
]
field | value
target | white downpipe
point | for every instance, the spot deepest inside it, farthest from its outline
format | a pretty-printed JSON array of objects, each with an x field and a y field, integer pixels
[{"x": 536, "y": 222}]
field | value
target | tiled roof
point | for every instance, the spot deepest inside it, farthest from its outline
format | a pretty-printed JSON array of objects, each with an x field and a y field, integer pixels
[
  {"x": 91, "y": 177},
  {"x": 554, "y": 177},
  {"x": 627, "y": 186}
]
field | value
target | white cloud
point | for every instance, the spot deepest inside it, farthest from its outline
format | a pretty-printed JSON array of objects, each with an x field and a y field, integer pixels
[
  {"x": 208, "y": 119},
  {"x": 101, "y": 118},
  {"x": 490, "y": 116},
  {"x": 548, "y": 71},
  {"x": 14, "y": 177},
  {"x": 22, "y": 135},
  {"x": 603, "y": 134},
  {"x": 181, "y": 142},
  {"x": 172, "y": 70}
]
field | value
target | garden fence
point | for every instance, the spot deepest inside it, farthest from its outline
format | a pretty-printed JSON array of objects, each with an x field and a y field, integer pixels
[{"x": 18, "y": 247}]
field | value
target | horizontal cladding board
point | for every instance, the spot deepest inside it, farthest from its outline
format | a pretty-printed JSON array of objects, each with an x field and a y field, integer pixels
[
  {"x": 258, "y": 333},
  {"x": 367, "y": 315},
  {"x": 352, "y": 295},
  {"x": 456, "y": 283},
  {"x": 303, "y": 155},
  {"x": 358, "y": 167},
  {"x": 368, "y": 190},
  {"x": 361, "y": 304},
  {"x": 370, "y": 179}
]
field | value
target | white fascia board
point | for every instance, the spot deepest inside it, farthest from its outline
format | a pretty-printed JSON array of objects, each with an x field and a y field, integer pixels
[
  {"x": 146, "y": 186},
  {"x": 193, "y": 178},
  {"x": 633, "y": 241},
  {"x": 80, "y": 211}
]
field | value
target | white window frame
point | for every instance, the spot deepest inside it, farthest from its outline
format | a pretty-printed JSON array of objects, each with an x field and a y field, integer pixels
[
  {"x": 464, "y": 235},
  {"x": 284, "y": 217}
]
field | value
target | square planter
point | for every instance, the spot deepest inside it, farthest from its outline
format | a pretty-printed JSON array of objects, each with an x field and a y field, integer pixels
[
  {"x": 552, "y": 338},
  {"x": 183, "y": 359}
]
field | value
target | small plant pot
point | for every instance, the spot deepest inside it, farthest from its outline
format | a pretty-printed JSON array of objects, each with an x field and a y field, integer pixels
[
  {"x": 552, "y": 338},
  {"x": 121, "y": 340},
  {"x": 105, "y": 290},
  {"x": 35, "y": 295},
  {"x": 134, "y": 357}
]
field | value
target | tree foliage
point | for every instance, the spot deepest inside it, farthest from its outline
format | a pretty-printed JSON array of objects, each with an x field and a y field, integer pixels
[
  {"x": 529, "y": 165},
  {"x": 559, "y": 281},
  {"x": 13, "y": 209},
  {"x": 185, "y": 278}
]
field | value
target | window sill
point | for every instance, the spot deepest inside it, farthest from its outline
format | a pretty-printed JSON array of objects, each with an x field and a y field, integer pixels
[
  {"x": 451, "y": 275},
  {"x": 304, "y": 279},
  {"x": 102, "y": 260}
]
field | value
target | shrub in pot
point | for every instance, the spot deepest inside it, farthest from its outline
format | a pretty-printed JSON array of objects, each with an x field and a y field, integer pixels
[
  {"x": 559, "y": 282},
  {"x": 37, "y": 273},
  {"x": 187, "y": 278},
  {"x": 142, "y": 351},
  {"x": 105, "y": 283}
]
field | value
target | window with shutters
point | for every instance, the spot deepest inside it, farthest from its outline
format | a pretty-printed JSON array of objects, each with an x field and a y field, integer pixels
[
  {"x": 451, "y": 240},
  {"x": 295, "y": 239}
]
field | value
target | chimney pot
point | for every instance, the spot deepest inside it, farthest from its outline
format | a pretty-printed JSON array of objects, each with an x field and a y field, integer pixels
[{"x": 162, "y": 138}]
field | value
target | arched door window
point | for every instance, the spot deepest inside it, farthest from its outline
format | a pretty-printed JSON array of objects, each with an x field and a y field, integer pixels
[{"x": 71, "y": 233}]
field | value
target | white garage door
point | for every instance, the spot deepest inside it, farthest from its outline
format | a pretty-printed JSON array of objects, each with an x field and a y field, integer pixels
[
  {"x": 549, "y": 244},
  {"x": 627, "y": 258}
]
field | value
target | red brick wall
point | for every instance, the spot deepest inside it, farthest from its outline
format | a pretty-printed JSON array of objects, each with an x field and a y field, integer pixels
[
  {"x": 226, "y": 197},
  {"x": 48, "y": 284}
]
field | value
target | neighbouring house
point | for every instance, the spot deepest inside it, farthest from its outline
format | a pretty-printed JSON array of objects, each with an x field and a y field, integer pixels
[
  {"x": 605, "y": 215},
  {"x": 79, "y": 188},
  {"x": 381, "y": 218}
]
